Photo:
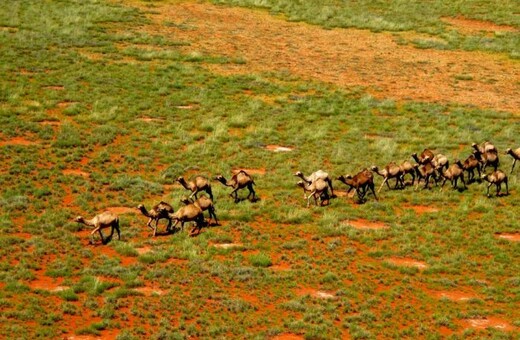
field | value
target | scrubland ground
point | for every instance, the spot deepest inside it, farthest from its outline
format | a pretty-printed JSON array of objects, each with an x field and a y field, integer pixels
[{"x": 103, "y": 104}]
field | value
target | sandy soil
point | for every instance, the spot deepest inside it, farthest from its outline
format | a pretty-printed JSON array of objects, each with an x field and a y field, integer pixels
[{"x": 343, "y": 57}]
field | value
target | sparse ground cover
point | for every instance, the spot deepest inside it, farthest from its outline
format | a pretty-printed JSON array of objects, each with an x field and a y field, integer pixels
[{"x": 104, "y": 104}]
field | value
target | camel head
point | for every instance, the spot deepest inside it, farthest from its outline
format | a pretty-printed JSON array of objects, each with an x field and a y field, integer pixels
[
  {"x": 484, "y": 177},
  {"x": 79, "y": 219},
  {"x": 221, "y": 179},
  {"x": 509, "y": 151},
  {"x": 298, "y": 174},
  {"x": 301, "y": 184},
  {"x": 185, "y": 200},
  {"x": 180, "y": 179},
  {"x": 374, "y": 168}
]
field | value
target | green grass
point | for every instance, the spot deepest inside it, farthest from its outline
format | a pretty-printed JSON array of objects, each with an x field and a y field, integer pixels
[{"x": 238, "y": 292}]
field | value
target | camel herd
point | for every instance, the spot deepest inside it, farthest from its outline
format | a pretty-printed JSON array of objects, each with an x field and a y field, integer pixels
[{"x": 428, "y": 167}]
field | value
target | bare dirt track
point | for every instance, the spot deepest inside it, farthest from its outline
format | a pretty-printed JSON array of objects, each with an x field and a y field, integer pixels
[{"x": 344, "y": 57}]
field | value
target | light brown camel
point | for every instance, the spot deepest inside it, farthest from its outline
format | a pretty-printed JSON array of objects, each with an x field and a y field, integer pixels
[
  {"x": 516, "y": 156},
  {"x": 425, "y": 171},
  {"x": 320, "y": 174},
  {"x": 319, "y": 190},
  {"x": 99, "y": 222},
  {"x": 487, "y": 155},
  {"x": 239, "y": 180},
  {"x": 391, "y": 170},
  {"x": 454, "y": 172},
  {"x": 204, "y": 203},
  {"x": 188, "y": 213},
  {"x": 199, "y": 183},
  {"x": 497, "y": 178},
  {"x": 158, "y": 211},
  {"x": 470, "y": 165}
]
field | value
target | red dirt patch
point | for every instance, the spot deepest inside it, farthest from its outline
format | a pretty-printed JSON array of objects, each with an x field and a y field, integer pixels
[
  {"x": 363, "y": 224},
  {"x": 509, "y": 237},
  {"x": 470, "y": 26},
  {"x": 75, "y": 172},
  {"x": 143, "y": 250},
  {"x": 47, "y": 283},
  {"x": 280, "y": 267},
  {"x": 278, "y": 148},
  {"x": 17, "y": 141},
  {"x": 489, "y": 322},
  {"x": 379, "y": 64},
  {"x": 405, "y": 262}
]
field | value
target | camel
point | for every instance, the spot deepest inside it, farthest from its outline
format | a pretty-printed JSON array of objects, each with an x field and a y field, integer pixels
[
  {"x": 188, "y": 213},
  {"x": 240, "y": 180},
  {"x": 487, "y": 154},
  {"x": 425, "y": 171},
  {"x": 484, "y": 147},
  {"x": 319, "y": 189},
  {"x": 426, "y": 153},
  {"x": 407, "y": 168},
  {"x": 99, "y": 222},
  {"x": 439, "y": 161},
  {"x": 199, "y": 183},
  {"x": 454, "y": 172},
  {"x": 392, "y": 170},
  {"x": 516, "y": 156},
  {"x": 204, "y": 203},
  {"x": 360, "y": 182},
  {"x": 497, "y": 178},
  {"x": 159, "y": 211},
  {"x": 320, "y": 174},
  {"x": 470, "y": 164}
]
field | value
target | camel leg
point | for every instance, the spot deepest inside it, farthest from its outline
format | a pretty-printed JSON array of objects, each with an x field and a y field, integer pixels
[
  {"x": 234, "y": 194},
  {"x": 92, "y": 235},
  {"x": 488, "y": 188},
  {"x": 463, "y": 181},
  {"x": 212, "y": 213},
  {"x": 251, "y": 191},
  {"x": 499, "y": 186},
  {"x": 382, "y": 184},
  {"x": 149, "y": 224},
  {"x": 101, "y": 235},
  {"x": 210, "y": 193},
  {"x": 371, "y": 187},
  {"x": 512, "y": 168},
  {"x": 118, "y": 231}
]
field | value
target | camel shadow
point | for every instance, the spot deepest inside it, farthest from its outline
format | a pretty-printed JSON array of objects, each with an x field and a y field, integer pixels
[{"x": 241, "y": 199}]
